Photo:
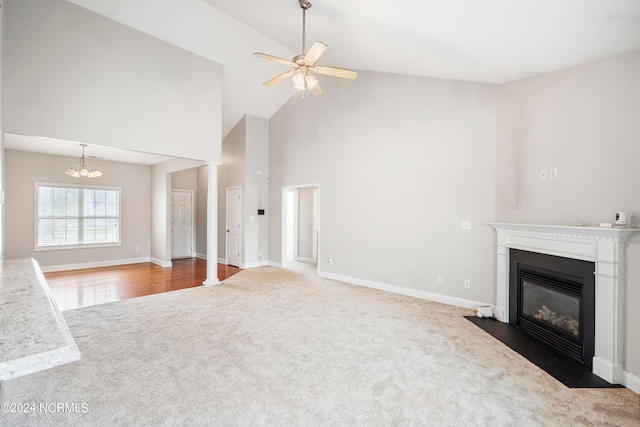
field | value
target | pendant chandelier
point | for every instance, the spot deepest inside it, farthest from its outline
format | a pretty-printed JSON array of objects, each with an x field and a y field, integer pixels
[{"x": 82, "y": 170}]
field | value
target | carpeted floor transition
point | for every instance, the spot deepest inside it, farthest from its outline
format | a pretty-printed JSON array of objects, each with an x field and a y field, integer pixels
[{"x": 270, "y": 346}]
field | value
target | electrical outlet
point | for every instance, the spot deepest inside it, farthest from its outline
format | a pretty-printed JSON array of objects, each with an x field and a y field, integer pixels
[
  {"x": 553, "y": 173},
  {"x": 260, "y": 252},
  {"x": 466, "y": 225},
  {"x": 467, "y": 284},
  {"x": 330, "y": 261},
  {"x": 543, "y": 174},
  {"x": 440, "y": 279},
  {"x": 137, "y": 248}
]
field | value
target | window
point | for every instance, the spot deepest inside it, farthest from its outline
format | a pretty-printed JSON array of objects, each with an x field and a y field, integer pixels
[{"x": 68, "y": 216}]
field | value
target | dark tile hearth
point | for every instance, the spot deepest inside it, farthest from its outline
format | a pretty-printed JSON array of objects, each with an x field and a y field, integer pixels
[{"x": 568, "y": 371}]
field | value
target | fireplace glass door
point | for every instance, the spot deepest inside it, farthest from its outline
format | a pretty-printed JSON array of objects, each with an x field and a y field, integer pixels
[{"x": 552, "y": 309}]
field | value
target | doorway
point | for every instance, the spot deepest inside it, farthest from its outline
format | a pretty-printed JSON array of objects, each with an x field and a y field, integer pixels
[
  {"x": 234, "y": 219},
  {"x": 181, "y": 224},
  {"x": 300, "y": 227}
]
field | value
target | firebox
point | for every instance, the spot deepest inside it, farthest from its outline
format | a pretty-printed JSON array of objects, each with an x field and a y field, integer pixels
[{"x": 553, "y": 299}]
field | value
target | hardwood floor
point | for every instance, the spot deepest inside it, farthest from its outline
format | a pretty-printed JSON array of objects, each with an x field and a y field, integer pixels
[{"x": 92, "y": 286}]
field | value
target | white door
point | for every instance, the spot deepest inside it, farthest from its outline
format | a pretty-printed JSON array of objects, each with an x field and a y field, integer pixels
[
  {"x": 181, "y": 224},
  {"x": 233, "y": 226}
]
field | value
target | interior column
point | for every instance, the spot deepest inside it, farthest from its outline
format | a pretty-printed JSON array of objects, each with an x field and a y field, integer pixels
[{"x": 212, "y": 226}]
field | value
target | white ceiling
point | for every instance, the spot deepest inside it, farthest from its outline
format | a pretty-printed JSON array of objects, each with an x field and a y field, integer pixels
[{"x": 491, "y": 41}]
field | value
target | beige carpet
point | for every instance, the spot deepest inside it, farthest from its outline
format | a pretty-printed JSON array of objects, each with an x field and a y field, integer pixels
[{"x": 271, "y": 346}]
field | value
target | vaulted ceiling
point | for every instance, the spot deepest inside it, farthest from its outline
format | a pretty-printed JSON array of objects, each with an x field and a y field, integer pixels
[{"x": 490, "y": 41}]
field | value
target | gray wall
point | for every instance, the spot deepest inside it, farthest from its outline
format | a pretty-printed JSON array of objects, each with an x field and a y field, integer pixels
[
  {"x": 305, "y": 223},
  {"x": 184, "y": 180},
  {"x": 231, "y": 173},
  {"x": 586, "y": 122},
  {"x": 245, "y": 150},
  {"x": 256, "y": 191},
  {"x": 24, "y": 169},
  {"x": 401, "y": 161},
  {"x": 75, "y": 75}
]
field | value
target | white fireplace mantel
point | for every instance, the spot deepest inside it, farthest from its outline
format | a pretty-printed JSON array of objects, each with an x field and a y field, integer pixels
[{"x": 603, "y": 246}]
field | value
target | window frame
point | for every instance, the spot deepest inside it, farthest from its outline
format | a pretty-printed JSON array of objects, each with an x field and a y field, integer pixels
[{"x": 80, "y": 245}]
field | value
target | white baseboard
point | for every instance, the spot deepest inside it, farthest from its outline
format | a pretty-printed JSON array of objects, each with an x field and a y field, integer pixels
[
  {"x": 307, "y": 260},
  {"x": 631, "y": 382},
  {"x": 275, "y": 264},
  {"x": 201, "y": 256},
  {"x": 96, "y": 264},
  {"x": 255, "y": 264},
  {"x": 222, "y": 261},
  {"x": 444, "y": 299},
  {"x": 161, "y": 263}
]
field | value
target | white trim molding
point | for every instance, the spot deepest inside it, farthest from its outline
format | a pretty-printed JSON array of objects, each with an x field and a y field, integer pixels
[
  {"x": 603, "y": 246},
  {"x": 631, "y": 382},
  {"x": 161, "y": 263},
  {"x": 254, "y": 264},
  {"x": 415, "y": 293}
]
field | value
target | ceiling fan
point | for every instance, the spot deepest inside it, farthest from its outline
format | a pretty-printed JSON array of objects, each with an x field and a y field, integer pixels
[{"x": 304, "y": 67}]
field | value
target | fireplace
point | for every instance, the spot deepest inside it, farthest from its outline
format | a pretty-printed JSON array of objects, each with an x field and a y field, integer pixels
[
  {"x": 605, "y": 248},
  {"x": 552, "y": 299}
]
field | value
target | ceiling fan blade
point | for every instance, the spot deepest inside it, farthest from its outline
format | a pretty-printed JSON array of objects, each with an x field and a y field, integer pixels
[
  {"x": 316, "y": 90},
  {"x": 315, "y": 52},
  {"x": 336, "y": 72},
  {"x": 280, "y": 78},
  {"x": 274, "y": 58}
]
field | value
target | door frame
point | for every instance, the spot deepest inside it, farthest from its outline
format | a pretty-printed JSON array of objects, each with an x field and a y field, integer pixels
[
  {"x": 193, "y": 221},
  {"x": 226, "y": 226},
  {"x": 283, "y": 221}
]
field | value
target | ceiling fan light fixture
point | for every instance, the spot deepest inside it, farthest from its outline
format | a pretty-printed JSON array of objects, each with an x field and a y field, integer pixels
[
  {"x": 311, "y": 81},
  {"x": 298, "y": 80},
  {"x": 304, "y": 80},
  {"x": 304, "y": 66}
]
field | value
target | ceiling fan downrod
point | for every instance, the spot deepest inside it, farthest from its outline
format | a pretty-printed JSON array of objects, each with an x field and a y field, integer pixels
[{"x": 304, "y": 4}]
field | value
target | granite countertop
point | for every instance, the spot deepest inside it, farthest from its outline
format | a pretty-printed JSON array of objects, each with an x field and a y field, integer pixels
[{"x": 33, "y": 334}]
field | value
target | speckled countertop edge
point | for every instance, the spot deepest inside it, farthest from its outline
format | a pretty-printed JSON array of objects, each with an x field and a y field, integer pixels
[{"x": 34, "y": 335}]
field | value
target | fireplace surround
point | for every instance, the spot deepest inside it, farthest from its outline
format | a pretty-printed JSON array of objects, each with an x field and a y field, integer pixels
[{"x": 602, "y": 246}]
